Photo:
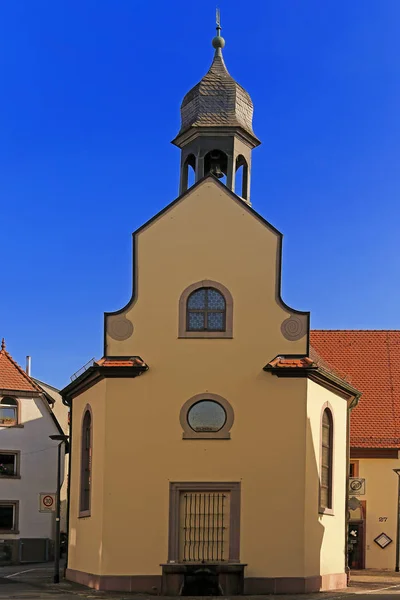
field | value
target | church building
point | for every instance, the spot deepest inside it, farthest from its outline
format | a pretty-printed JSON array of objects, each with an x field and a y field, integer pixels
[{"x": 209, "y": 444}]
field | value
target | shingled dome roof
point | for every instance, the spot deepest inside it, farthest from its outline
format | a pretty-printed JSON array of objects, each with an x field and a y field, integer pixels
[{"x": 217, "y": 100}]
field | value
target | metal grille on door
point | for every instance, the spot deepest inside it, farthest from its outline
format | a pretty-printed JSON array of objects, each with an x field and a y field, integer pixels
[{"x": 204, "y": 526}]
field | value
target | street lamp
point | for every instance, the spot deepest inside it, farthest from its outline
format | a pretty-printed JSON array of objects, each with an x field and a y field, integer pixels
[
  {"x": 63, "y": 439},
  {"x": 397, "y": 471}
]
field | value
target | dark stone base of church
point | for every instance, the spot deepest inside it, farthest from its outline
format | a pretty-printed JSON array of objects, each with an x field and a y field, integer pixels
[
  {"x": 294, "y": 585},
  {"x": 207, "y": 580},
  {"x": 202, "y": 579},
  {"x": 146, "y": 584}
]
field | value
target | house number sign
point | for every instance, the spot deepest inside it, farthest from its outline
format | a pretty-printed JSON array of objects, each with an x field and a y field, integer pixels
[{"x": 382, "y": 519}]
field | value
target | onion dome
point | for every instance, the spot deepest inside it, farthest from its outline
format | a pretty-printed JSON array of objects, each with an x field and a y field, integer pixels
[{"x": 217, "y": 100}]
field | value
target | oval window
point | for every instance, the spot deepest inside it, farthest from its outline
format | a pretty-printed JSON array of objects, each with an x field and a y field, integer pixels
[{"x": 206, "y": 415}]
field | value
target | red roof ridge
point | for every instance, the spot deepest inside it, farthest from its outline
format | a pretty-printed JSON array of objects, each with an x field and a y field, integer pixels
[
  {"x": 21, "y": 372},
  {"x": 130, "y": 361},
  {"x": 284, "y": 362},
  {"x": 357, "y": 330}
]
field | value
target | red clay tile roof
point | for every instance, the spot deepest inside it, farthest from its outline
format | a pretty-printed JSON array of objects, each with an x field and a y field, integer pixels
[
  {"x": 12, "y": 376},
  {"x": 371, "y": 360},
  {"x": 123, "y": 362},
  {"x": 291, "y": 363}
]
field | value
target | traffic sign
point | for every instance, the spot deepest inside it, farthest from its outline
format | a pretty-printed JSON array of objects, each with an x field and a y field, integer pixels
[{"x": 47, "y": 502}]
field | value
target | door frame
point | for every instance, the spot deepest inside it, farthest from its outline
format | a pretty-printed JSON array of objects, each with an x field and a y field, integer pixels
[
  {"x": 176, "y": 488},
  {"x": 363, "y": 522}
]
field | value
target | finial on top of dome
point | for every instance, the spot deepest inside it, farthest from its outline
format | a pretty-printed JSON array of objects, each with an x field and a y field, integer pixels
[
  {"x": 218, "y": 41},
  {"x": 3, "y": 344}
]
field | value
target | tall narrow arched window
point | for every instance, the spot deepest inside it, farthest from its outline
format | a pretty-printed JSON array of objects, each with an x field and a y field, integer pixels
[
  {"x": 86, "y": 464},
  {"x": 326, "y": 477},
  {"x": 206, "y": 310}
]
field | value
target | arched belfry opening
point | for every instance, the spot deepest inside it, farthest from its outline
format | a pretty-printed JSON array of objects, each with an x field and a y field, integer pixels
[
  {"x": 242, "y": 177},
  {"x": 188, "y": 172},
  {"x": 216, "y": 134},
  {"x": 216, "y": 162}
]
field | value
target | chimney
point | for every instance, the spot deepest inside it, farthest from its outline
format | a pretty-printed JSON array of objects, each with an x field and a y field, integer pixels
[{"x": 28, "y": 365}]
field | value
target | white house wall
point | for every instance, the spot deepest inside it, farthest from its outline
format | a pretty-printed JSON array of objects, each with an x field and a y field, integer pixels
[
  {"x": 61, "y": 413},
  {"x": 38, "y": 468}
]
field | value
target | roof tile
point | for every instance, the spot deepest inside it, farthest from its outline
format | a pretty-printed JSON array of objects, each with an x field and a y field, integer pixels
[
  {"x": 371, "y": 360},
  {"x": 12, "y": 376},
  {"x": 121, "y": 362}
]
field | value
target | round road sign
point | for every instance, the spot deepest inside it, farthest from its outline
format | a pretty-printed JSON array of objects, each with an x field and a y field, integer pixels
[{"x": 48, "y": 501}]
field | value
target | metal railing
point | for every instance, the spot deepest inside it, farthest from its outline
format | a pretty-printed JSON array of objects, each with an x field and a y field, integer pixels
[
  {"x": 85, "y": 367},
  {"x": 204, "y": 530}
]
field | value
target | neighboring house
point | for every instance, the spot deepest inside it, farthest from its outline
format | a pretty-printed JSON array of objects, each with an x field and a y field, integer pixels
[
  {"x": 370, "y": 360},
  {"x": 208, "y": 447},
  {"x": 28, "y": 465},
  {"x": 61, "y": 413}
]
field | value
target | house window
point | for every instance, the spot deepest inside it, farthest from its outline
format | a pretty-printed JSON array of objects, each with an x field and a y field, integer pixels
[
  {"x": 326, "y": 479},
  {"x": 8, "y": 412},
  {"x": 354, "y": 468},
  {"x": 206, "y": 416},
  {"x": 86, "y": 464},
  {"x": 8, "y": 516},
  {"x": 206, "y": 310},
  {"x": 9, "y": 464}
]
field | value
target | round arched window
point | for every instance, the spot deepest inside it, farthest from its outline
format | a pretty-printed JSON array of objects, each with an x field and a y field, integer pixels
[{"x": 206, "y": 415}]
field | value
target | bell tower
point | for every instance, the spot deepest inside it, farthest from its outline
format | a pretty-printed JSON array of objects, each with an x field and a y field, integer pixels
[{"x": 216, "y": 134}]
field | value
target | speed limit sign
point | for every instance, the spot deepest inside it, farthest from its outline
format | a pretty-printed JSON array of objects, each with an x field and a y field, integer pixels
[{"x": 47, "y": 502}]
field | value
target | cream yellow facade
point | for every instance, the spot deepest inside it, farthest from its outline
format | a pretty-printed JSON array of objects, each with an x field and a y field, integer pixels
[
  {"x": 327, "y": 533},
  {"x": 85, "y": 535},
  {"x": 273, "y": 453},
  {"x": 378, "y": 510}
]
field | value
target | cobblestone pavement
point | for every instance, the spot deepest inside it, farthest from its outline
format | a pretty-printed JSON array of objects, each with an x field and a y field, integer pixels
[{"x": 35, "y": 582}]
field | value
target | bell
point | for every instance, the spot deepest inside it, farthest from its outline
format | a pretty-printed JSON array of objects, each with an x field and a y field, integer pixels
[{"x": 216, "y": 170}]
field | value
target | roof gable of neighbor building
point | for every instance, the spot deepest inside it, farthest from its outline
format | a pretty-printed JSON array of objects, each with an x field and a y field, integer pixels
[
  {"x": 54, "y": 400},
  {"x": 12, "y": 376},
  {"x": 14, "y": 380},
  {"x": 371, "y": 360}
]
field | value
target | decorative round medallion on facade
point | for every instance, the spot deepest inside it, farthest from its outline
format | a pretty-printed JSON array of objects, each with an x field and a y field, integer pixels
[
  {"x": 119, "y": 328},
  {"x": 206, "y": 416},
  {"x": 294, "y": 328}
]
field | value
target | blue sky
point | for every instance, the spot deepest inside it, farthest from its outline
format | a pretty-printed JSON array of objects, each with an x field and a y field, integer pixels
[{"x": 90, "y": 101}]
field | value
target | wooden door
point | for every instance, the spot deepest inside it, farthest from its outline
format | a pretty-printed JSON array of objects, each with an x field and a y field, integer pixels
[{"x": 356, "y": 545}]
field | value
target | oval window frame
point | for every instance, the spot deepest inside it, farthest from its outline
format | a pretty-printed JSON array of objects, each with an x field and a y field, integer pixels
[
  {"x": 222, "y": 434},
  {"x": 220, "y": 407}
]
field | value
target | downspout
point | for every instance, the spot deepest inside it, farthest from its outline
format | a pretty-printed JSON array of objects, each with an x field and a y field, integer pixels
[
  {"x": 65, "y": 401},
  {"x": 352, "y": 404},
  {"x": 346, "y": 521}
]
